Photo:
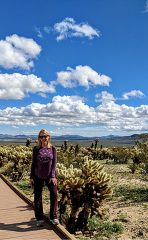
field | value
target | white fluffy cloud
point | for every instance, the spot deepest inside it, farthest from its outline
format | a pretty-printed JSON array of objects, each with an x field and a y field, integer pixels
[
  {"x": 133, "y": 93},
  {"x": 83, "y": 76},
  {"x": 68, "y": 28},
  {"x": 17, "y": 86},
  {"x": 18, "y": 52},
  {"x": 38, "y": 31},
  {"x": 146, "y": 6},
  {"x": 104, "y": 97},
  {"x": 73, "y": 111}
]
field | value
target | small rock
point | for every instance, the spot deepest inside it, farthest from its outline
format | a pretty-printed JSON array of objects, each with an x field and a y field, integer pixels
[
  {"x": 104, "y": 238},
  {"x": 78, "y": 233}
]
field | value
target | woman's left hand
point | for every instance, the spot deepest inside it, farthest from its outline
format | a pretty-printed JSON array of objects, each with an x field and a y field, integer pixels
[{"x": 54, "y": 180}]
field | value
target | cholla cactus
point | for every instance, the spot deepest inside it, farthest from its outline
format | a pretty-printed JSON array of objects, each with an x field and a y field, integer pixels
[
  {"x": 65, "y": 145},
  {"x": 28, "y": 142},
  {"x": 96, "y": 143},
  {"x": 77, "y": 149},
  {"x": 139, "y": 155},
  {"x": 15, "y": 161},
  {"x": 83, "y": 191}
]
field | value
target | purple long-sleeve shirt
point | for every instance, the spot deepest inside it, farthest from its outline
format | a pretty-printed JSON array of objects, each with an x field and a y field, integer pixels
[{"x": 43, "y": 162}]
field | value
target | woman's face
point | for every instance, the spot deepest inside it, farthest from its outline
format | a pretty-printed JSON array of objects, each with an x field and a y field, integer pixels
[{"x": 44, "y": 138}]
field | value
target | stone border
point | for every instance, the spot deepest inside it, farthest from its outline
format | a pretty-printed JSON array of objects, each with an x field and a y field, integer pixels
[{"x": 59, "y": 228}]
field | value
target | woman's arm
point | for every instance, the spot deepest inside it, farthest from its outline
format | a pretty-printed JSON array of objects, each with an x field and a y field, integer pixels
[
  {"x": 32, "y": 173},
  {"x": 53, "y": 171}
]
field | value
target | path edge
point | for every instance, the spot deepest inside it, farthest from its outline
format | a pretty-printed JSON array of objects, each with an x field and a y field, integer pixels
[{"x": 23, "y": 196}]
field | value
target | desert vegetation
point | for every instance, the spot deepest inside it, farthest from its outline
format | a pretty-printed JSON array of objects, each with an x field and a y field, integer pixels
[{"x": 102, "y": 190}]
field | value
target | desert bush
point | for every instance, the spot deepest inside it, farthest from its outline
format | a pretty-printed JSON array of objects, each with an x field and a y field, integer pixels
[
  {"x": 82, "y": 193},
  {"x": 103, "y": 228}
]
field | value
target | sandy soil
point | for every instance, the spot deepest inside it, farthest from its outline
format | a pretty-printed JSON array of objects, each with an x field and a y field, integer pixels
[
  {"x": 132, "y": 213},
  {"x": 134, "y": 218}
]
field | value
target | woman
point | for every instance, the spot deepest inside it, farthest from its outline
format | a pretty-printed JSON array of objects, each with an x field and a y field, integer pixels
[{"x": 43, "y": 170}]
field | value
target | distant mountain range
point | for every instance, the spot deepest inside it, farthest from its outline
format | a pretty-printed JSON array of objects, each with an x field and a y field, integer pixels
[
  {"x": 62, "y": 137},
  {"x": 76, "y": 137}
]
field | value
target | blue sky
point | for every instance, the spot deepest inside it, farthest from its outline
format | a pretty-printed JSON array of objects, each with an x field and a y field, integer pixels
[{"x": 74, "y": 67}]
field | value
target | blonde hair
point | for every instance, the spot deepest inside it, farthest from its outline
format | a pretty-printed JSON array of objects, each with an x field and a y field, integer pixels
[{"x": 45, "y": 132}]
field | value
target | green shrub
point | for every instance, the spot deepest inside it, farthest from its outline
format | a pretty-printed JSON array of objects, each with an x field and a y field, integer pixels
[{"x": 103, "y": 228}]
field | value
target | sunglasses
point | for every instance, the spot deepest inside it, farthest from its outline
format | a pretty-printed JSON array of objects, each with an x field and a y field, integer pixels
[{"x": 43, "y": 136}]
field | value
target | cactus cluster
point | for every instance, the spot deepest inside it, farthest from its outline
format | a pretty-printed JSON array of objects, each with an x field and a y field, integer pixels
[
  {"x": 69, "y": 177},
  {"x": 15, "y": 161},
  {"x": 139, "y": 154},
  {"x": 83, "y": 191}
]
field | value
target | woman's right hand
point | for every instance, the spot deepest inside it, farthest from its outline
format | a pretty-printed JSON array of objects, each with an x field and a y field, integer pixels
[{"x": 31, "y": 183}]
